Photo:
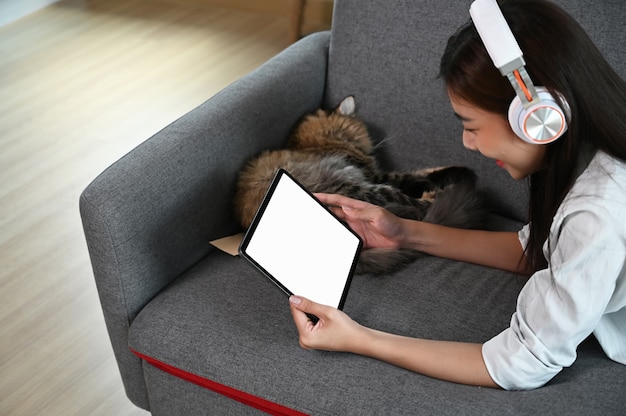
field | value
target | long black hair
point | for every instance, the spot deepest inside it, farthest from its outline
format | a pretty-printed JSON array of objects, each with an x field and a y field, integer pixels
[{"x": 560, "y": 56}]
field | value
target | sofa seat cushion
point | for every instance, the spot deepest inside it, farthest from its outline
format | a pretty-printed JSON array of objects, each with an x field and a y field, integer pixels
[{"x": 224, "y": 323}]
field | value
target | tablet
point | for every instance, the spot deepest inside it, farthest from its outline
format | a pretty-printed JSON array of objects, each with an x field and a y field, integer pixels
[{"x": 300, "y": 245}]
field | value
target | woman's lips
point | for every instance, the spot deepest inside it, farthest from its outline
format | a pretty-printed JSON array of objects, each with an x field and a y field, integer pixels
[{"x": 500, "y": 163}]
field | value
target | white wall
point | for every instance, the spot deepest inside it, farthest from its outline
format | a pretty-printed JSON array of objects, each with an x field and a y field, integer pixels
[{"x": 12, "y": 10}]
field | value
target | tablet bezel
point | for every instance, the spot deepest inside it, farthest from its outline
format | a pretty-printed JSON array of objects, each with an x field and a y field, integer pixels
[{"x": 258, "y": 218}]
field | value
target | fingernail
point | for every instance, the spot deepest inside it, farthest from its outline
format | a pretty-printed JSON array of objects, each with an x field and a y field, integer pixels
[{"x": 295, "y": 300}]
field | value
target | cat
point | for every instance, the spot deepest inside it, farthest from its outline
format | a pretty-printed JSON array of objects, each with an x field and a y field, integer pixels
[{"x": 332, "y": 152}]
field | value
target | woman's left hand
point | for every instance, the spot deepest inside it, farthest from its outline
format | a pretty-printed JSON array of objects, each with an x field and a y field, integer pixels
[{"x": 334, "y": 331}]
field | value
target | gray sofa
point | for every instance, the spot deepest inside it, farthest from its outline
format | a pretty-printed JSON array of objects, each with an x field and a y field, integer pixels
[{"x": 198, "y": 332}]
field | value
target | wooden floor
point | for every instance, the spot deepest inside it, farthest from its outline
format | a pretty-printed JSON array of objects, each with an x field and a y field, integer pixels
[{"x": 82, "y": 82}]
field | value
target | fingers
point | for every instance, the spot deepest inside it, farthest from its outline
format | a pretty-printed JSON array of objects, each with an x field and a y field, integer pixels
[
  {"x": 334, "y": 331},
  {"x": 309, "y": 331},
  {"x": 306, "y": 306},
  {"x": 299, "y": 316},
  {"x": 340, "y": 201},
  {"x": 347, "y": 208}
]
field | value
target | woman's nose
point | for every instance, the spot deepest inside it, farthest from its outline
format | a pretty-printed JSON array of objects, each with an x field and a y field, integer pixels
[{"x": 468, "y": 141}]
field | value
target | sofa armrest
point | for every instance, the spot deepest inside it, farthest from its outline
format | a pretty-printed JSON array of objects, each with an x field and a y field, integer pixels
[{"x": 150, "y": 216}]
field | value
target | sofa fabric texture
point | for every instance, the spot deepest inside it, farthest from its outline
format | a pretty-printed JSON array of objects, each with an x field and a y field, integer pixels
[{"x": 168, "y": 294}]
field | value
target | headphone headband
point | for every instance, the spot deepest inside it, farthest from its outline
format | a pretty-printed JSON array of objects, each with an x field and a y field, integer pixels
[
  {"x": 496, "y": 35},
  {"x": 503, "y": 48}
]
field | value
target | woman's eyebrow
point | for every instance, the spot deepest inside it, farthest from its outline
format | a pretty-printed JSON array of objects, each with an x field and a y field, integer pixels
[{"x": 462, "y": 118}]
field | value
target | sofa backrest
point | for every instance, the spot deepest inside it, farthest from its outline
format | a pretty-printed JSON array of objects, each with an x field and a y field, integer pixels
[{"x": 386, "y": 53}]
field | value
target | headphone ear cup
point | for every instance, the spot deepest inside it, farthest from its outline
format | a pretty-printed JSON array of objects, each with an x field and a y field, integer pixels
[{"x": 542, "y": 123}]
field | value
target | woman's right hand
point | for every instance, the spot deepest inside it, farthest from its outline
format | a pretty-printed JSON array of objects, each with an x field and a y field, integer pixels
[{"x": 377, "y": 227}]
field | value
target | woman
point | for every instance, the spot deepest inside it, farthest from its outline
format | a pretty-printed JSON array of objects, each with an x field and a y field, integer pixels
[{"x": 577, "y": 205}]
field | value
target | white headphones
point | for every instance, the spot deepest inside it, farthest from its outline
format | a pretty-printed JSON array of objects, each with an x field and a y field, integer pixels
[{"x": 534, "y": 114}]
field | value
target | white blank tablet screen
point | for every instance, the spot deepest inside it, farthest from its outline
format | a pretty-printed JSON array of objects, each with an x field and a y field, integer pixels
[{"x": 301, "y": 245}]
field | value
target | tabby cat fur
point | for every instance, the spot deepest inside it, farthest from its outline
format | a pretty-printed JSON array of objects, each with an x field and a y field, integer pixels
[{"x": 332, "y": 152}]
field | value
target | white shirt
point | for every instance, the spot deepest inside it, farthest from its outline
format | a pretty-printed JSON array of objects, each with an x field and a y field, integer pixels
[{"x": 582, "y": 291}]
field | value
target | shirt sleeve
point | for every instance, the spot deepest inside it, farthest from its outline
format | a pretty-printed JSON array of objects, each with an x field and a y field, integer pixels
[
  {"x": 561, "y": 305},
  {"x": 523, "y": 235}
]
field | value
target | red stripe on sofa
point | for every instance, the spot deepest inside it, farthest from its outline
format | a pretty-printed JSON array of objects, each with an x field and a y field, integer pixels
[{"x": 238, "y": 395}]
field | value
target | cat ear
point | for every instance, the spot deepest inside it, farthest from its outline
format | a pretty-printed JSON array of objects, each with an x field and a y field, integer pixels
[{"x": 347, "y": 106}]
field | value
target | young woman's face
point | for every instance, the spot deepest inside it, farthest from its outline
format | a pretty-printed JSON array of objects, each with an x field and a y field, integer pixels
[{"x": 491, "y": 135}]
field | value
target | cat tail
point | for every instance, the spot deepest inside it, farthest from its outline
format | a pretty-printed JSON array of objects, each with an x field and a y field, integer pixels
[
  {"x": 458, "y": 205},
  {"x": 382, "y": 261}
]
